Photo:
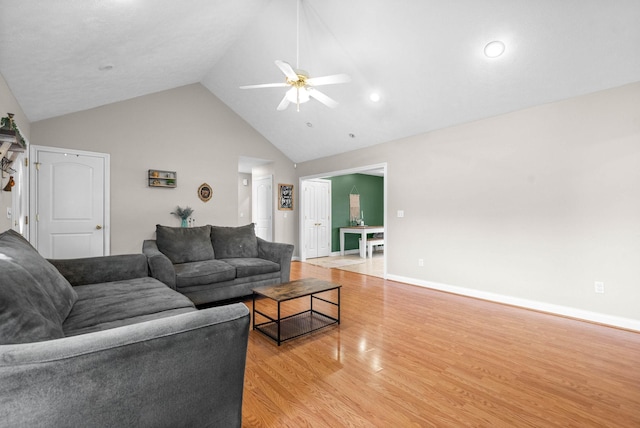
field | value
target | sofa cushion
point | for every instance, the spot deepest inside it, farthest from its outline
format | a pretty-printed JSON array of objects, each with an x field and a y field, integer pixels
[
  {"x": 115, "y": 304},
  {"x": 185, "y": 244},
  {"x": 16, "y": 248},
  {"x": 229, "y": 242},
  {"x": 26, "y": 311},
  {"x": 203, "y": 272},
  {"x": 251, "y": 266}
]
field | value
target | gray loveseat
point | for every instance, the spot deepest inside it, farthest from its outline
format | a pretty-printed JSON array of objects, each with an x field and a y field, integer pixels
[
  {"x": 96, "y": 342},
  {"x": 213, "y": 263}
]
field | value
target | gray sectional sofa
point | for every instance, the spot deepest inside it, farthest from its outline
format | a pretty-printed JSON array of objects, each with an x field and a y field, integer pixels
[
  {"x": 211, "y": 264},
  {"x": 96, "y": 342}
]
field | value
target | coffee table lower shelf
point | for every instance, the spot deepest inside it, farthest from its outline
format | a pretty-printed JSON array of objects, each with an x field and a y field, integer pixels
[{"x": 295, "y": 325}]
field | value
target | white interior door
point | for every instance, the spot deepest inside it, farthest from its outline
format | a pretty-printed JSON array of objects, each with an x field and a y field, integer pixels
[
  {"x": 317, "y": 218},
  {"x": 20, "y": 197},
  {"x": 262, "y": 207},
  {"x": 71, "y": 203}
]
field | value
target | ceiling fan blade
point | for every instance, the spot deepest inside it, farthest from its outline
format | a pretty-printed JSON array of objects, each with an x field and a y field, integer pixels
[
  {"x": 324, "y": 99},
  {"x": 329, "y": 80},
  {"x": 287, "y": 70},
  {"x": 283, "y": 104},
  {"x": 265, "y": 85}
]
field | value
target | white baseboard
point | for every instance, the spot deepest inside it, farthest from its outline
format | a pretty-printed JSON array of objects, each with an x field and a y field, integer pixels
[
  {"x": 620, "y": 322},
  {"x": 332, "y": 254},
  {"x": 337, "y": 253}
]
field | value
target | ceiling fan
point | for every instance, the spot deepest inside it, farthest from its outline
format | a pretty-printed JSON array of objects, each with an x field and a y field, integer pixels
[{"x": 302, "y": 87}]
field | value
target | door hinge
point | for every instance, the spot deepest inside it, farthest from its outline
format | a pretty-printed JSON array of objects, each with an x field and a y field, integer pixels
[
  {"x": 37, "y": 217},
  {"x": 26, "y": 219},
  {"x": 26, "y": 162}
]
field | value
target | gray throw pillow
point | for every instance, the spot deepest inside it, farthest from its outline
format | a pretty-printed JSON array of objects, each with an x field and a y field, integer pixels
[
  {"x": 27, "y": 314},
  {"x": 17, "y": 249},
  {"x": 232, "y": 242},
  {"x": 185, "y": 244}
]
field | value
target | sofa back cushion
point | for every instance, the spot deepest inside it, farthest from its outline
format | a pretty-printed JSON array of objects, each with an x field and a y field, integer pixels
[
  {"x": 231, "y": 242},
  {"x": 16, "y": 248},
  {"x": 185, "y": 244},
  {"x": 27, "y": 311}
]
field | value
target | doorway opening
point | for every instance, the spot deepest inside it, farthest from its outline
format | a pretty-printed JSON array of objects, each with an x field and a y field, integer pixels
[
  {"x": 379, "y": 170},
  {"x": 255, "y": 196}
]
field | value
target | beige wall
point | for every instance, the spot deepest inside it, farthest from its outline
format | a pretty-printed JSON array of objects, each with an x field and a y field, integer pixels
[
  {"x": 8, "y": 104},
  {"x": 187, "y": 130},
  {"x": 534, "y": 205}
]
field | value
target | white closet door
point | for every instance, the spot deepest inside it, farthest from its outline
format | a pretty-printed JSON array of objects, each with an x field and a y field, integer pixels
[
  {"x": 317, "y": 218},
  {"x": 263, "y": 207}
]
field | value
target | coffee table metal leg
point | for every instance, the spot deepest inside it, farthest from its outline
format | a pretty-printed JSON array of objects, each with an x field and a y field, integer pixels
[
  {"x": 254, "y": 311},
  {"x": 279, "y": 324},
  {"x": 338, "y": 306}
]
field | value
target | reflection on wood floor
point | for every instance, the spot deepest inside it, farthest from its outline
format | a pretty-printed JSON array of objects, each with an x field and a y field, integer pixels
[
  {"x": 408, "y": 356},
  {"x": 373, "y": 266}
]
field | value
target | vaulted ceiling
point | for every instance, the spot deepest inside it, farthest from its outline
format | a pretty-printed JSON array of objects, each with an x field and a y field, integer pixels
[{"x": 424, "y": 58}]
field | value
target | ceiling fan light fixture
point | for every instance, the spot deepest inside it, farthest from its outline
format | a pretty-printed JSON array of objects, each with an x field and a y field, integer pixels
[
  {"x": 494, "y": 49},
  {"x": 298, "y": 95}
]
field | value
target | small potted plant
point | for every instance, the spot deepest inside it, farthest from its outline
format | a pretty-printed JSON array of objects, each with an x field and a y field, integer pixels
[{"x": 184, "y": 214}]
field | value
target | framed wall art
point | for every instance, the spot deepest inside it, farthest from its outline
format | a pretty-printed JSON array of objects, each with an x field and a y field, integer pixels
[
  {"x": 205, "y": 192},
  {"x": 285, "y": 196}
]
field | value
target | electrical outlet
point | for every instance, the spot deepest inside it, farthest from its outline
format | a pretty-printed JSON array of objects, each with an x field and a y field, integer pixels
[
  {"x": 420, "y": 262},
  {"x": 8, "y": 212},
  {"x": 400, "y": 213},
  {"x": 599, "y": 287}
]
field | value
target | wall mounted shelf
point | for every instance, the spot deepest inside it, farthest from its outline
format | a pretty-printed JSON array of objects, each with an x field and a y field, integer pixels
[{"x": 161, "y": 178}]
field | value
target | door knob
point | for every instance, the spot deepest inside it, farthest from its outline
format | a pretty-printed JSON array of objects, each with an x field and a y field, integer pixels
[{"x": 98, "y": 227}]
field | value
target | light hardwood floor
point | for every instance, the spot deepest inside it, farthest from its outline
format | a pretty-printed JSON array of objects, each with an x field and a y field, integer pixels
[{"x": 409, "y": 356}]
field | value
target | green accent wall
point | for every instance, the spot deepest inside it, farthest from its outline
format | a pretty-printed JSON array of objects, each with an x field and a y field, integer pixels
[{"x": 371, "y": 190}]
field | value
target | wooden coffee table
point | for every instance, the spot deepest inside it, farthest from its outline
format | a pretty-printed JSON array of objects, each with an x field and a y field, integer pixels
[{"x": 289, "y": 327}]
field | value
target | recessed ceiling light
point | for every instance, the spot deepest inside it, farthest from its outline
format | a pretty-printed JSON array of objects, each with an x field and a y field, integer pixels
[
  {"x": 494, "y": 49},
  {"x": 375, "y": 97},
  {"x": 309, "y": 124},
  {"x": 352, "y": 135}
]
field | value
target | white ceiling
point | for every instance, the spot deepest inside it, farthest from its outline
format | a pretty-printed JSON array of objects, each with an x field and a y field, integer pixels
[{"x": 425, "y": 58}]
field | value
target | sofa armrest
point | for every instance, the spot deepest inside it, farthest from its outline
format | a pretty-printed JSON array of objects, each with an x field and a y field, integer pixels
[
  {"x": 94, "y": 270},
  {"x": 160, "y": 266},
  {"x": 277, "y": 252},
  {"x": 183, "y": 370}
]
